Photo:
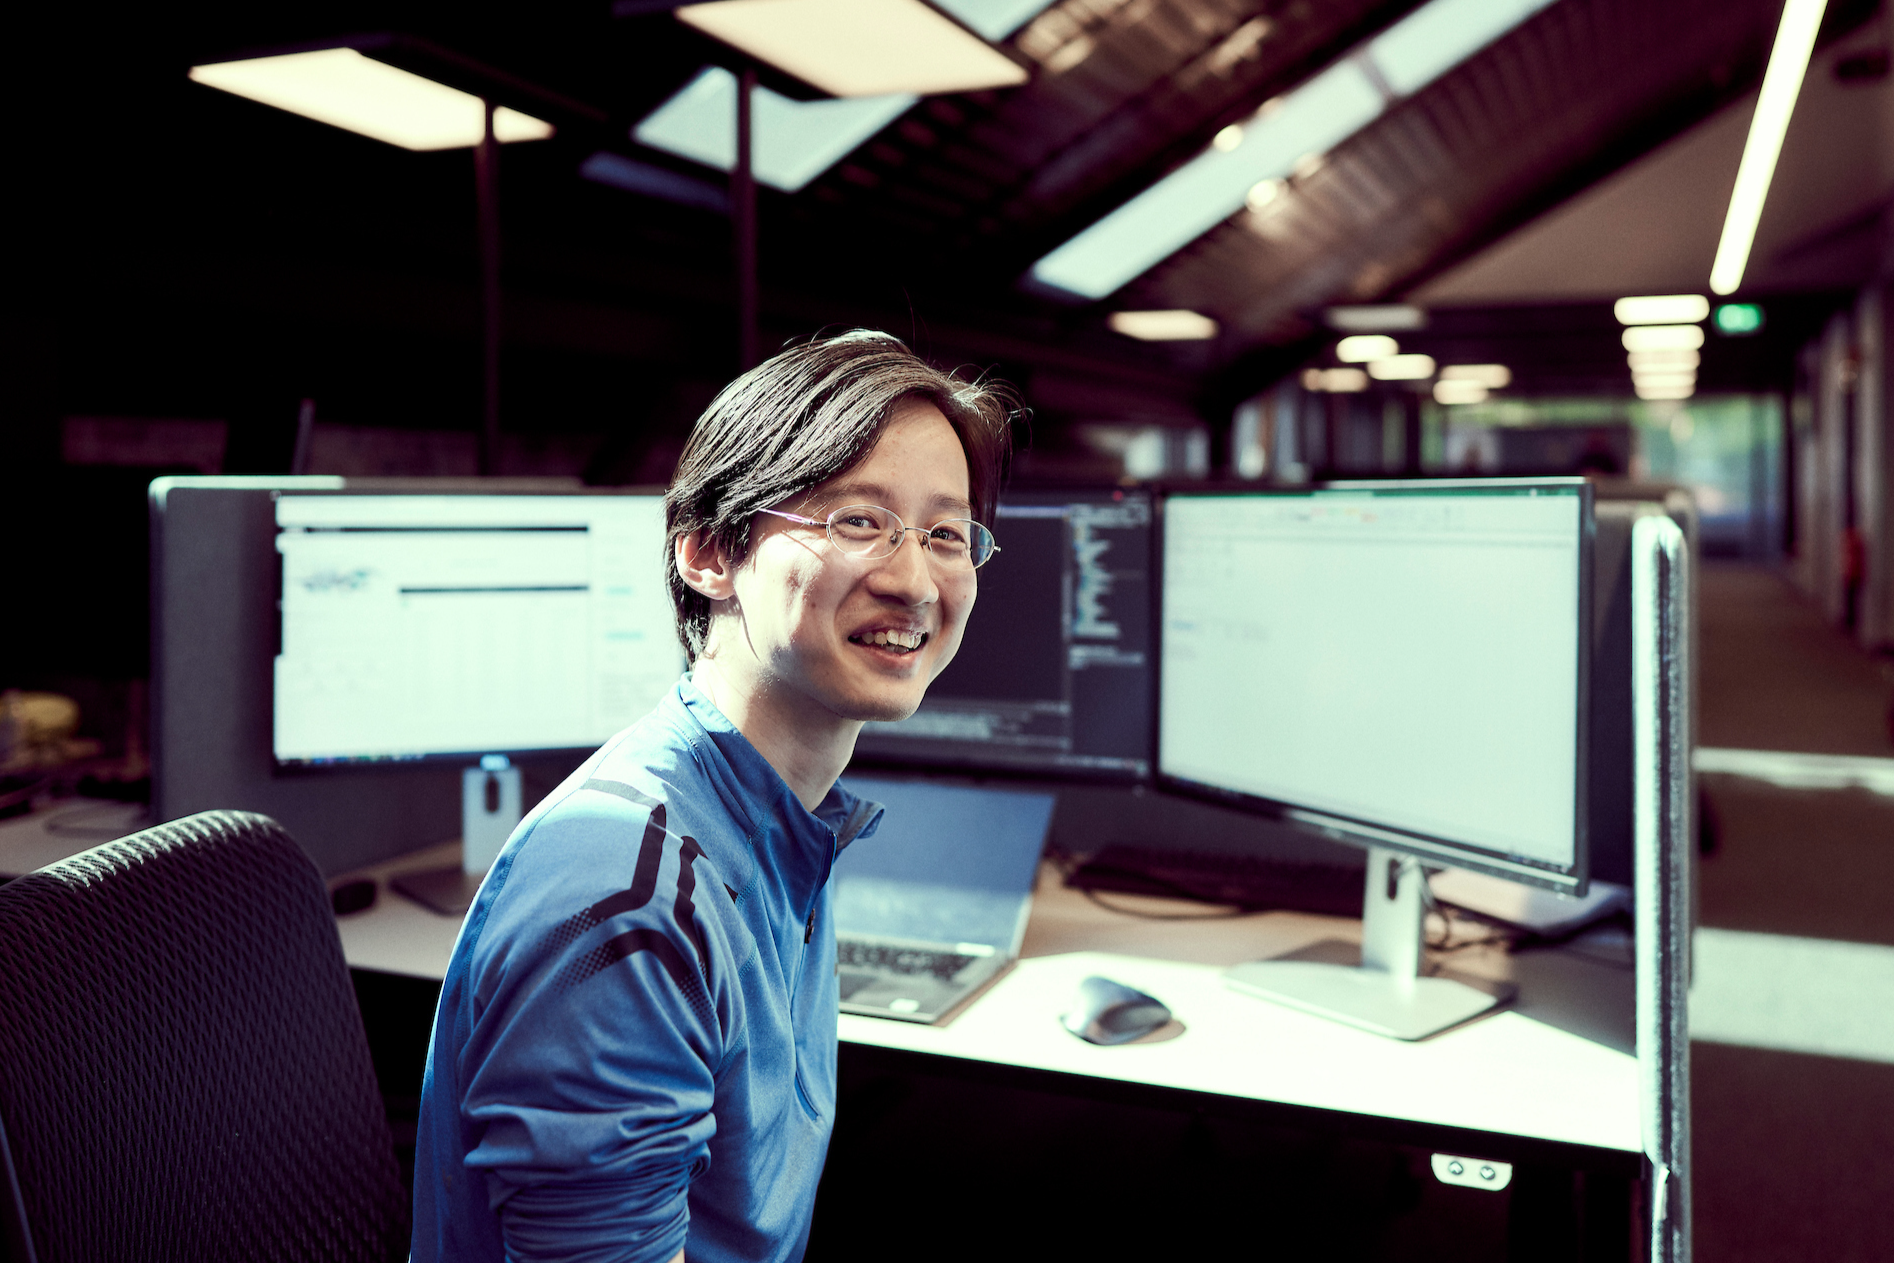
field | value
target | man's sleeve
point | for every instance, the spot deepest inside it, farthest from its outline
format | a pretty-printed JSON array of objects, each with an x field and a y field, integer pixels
[{"x": 588, "y": 1070}]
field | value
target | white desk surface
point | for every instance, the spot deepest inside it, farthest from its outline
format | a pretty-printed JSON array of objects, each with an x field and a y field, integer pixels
[{"x": 1557, "y": 1066}]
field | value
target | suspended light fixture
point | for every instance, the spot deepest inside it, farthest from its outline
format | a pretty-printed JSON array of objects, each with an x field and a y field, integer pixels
[{"x": 345, "y": 88}]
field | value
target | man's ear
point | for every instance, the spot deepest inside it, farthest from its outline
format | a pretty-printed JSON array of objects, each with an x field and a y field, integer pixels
[{"x": 704, "y": 567}]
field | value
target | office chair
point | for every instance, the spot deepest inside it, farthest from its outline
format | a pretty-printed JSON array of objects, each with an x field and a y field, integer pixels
[{"x": 183, "y": 1071}]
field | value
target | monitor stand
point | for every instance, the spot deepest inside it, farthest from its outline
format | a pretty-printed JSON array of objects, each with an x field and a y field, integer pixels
[
  {"x": 1384, "y": 993},
  {"x": 489, "y": 812}
]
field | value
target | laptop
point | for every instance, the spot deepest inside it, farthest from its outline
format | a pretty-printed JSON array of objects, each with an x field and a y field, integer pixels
[{"x": 933, "y": 907}]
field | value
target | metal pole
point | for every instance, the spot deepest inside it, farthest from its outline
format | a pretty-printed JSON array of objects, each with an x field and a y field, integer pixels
[
  {"x": 305, "y": 434},
  {"x": 487, "y": 189},
  {"x": 743, "y": 224}
]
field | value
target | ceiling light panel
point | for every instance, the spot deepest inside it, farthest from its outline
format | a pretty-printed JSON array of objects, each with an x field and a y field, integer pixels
[
  {"x": 1402, "y": 368},
  {"x": 1375, "y": 318},
  {"x": 1661, "y": 309},
  {"x": 1366, "y": 346},
  {"x": 1487, "y": 376},
  {"x": 1164, "y": 326},
  {"x": 1662, "y": 338},
  {"x": 859, "y": 48},
  {"x": 1674, "y": 358},
  {"x": 1455, "y": 392},
  {"x": 1340, "y": 381},
  {"x": 343, "y": 88},
  {"x": 792, "y": 142}
]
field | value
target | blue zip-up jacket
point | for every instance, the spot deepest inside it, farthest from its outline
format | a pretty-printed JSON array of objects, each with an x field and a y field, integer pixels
[{"x": 635, "y": 1048}]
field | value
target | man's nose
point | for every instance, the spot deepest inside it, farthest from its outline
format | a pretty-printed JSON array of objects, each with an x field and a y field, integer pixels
[{"x": 909, "y": 572}]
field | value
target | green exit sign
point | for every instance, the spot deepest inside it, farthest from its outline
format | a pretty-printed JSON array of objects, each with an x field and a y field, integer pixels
[{"x": 1737, "y": 319}]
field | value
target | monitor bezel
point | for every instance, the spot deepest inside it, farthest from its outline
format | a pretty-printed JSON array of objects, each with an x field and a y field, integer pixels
[
  {"x": 456, "y": 488},
  {"x": 1573, "y": 879}
]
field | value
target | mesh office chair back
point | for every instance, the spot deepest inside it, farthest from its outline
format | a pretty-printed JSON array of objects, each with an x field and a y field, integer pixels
[{"x": 183, "y": 1071}]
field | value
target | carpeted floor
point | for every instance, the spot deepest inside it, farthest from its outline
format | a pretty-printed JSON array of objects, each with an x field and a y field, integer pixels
[{"x": 1794, "y": 1154}]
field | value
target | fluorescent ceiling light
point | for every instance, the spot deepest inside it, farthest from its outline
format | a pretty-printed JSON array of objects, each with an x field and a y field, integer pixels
[
  {"x": 856, "y": 48},
  {"x": 1340, "y": 381},
  {"x": 342, "y": 88},
  {"x": 1437, "y": 37},
  {"x": 1163, "y": 326},
  {"x": 1781, "y": 84},
  {"x": 1301, "y": 125},
  {"x": 1663, "y": 379},
  {"x": 792, "y": 142},
  {"x": 1662, "y": 338},
  {"x": 1366, "y": 346},
  {"x": 1263, "y": 192},
  {"x": 994, "y": 19},
  {"x": 1402, "y": 368},
  {"x": 1375, "y": 318},
  {"x": 1451, "y": 391},
  {"x": 1664, "y": 390},
  {"x": 1490, "y": 376},
  {"x": 1662, "y": 309},
  {"x": 1674, "y": 358}
]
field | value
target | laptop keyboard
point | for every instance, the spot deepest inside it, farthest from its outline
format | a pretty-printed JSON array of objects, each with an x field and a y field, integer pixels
[{"x": 851, "y": 953}]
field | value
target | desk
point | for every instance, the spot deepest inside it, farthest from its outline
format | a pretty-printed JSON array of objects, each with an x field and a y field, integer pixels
[
  {"x": 1551, "y": 1083},
  {"x": 1558, "y": 1066}
]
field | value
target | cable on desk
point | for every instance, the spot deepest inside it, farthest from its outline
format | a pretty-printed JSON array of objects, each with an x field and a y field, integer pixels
[
  {"x": 1068, "y": 863},
  {"x": 1224, "y": 914},
  {"x": 1513, "y": 939}
]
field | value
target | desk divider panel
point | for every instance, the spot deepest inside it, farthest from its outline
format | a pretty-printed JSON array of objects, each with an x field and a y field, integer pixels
[{"x": 1663, "y": 801}]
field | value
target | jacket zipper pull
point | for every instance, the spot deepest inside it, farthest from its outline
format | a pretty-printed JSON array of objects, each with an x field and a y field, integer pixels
[{"x": 810, "y": 932}]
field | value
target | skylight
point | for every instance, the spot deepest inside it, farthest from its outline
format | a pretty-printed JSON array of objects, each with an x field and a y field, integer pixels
[
  {"x": 1304, "y": 123},
  {"x": 793, "y": 142},
  {"x": 1436, "y": 37},
  {"x": 994, "y": 19}
]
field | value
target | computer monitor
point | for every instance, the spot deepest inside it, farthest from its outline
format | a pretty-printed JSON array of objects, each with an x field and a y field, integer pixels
[
  {"x": 454, "y": 626},
  {"x": 1054, "y": 674},
  {"x": 1400, "y": 666}
]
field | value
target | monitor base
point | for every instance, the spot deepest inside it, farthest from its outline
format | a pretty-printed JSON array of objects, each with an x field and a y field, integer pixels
[{"x": 1369, "y": 999}]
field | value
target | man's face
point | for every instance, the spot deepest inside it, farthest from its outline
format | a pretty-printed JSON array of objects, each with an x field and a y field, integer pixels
[{"x": 808, "y": 617}]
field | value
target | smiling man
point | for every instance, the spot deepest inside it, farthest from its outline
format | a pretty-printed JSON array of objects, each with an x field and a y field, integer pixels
[{"x": 634, "y": 1056}]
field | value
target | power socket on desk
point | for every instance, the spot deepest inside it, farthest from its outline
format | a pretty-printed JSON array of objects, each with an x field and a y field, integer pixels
[{"x": 1472, "y": 1172}]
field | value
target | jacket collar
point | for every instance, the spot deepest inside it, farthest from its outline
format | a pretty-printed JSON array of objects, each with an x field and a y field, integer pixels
[{"x": 795, "y": 846}]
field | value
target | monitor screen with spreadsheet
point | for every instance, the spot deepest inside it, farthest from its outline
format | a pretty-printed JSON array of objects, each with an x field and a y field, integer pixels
[
  {"x": 1400, "y": 665},
  {"x": 1053, "y": 676},
  {"x": 416, "y": 626}
]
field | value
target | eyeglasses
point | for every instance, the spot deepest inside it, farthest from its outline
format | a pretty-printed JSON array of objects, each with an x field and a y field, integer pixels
[{"x": 871, "y": 532}]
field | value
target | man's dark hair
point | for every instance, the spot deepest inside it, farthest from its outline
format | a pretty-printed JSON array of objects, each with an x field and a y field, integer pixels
[{"x": 800, "y": 419}]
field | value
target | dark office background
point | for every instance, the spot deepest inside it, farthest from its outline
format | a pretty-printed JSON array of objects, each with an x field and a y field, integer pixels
[{"x": 181, "y": 255}]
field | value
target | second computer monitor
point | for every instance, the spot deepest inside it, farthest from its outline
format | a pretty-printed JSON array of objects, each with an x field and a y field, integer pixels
[
  {"x": 1402, "y": 665},
  {"x": 1053, "y": 675},
  {"x": 418, "y": 626}
]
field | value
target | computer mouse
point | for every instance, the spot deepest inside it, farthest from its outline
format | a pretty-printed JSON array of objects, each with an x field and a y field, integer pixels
[{"x": 1107, "y": 1012}]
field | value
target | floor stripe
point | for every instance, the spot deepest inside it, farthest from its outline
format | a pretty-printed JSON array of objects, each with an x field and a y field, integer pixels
[
  {"x": 1803, "y": 995},
  {"x": 1794, "y": 770}
]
